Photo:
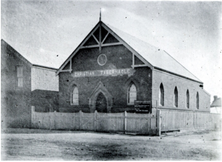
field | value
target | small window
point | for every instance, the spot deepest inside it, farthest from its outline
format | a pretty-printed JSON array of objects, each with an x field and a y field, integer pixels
[
  {"x": 175, "y": 97},
  {"x": 161, "y": 95},
  {"x": 197, "y": 100},
  {"x": 187, "y": 99},
  {"x": 132, "y": 94},
  {"x": 75, "y": 96},
  {"x": 19, "y": 70}
]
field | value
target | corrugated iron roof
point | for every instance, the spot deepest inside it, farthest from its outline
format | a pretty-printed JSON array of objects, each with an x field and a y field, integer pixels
[{"x": 153, "y": 55}]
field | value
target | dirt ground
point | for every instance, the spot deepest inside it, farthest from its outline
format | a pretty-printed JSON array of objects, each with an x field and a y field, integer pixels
[{"x": 30, "y": 144}]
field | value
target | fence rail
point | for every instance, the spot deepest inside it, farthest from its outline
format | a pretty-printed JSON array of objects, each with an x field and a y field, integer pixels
[
  {"x": 103, "y": 122},
  {"x": 185, "y": 120},
  {"x": 153, "y": 124}
]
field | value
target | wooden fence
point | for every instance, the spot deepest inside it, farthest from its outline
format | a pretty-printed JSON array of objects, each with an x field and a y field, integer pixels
[
  {"x": 189, "y": 120},
  {"x": 151, "y": 124},
  {"x": 101, "y": 122}
]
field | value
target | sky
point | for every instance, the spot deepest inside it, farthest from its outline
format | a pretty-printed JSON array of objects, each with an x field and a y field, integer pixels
[{"x": 46, "y": 32}]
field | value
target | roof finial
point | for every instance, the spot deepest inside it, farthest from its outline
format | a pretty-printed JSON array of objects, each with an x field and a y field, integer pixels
[{"x": 100, "y": 16}]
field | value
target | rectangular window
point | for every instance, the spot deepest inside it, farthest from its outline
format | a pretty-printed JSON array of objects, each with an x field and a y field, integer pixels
[{"x": 19, "y": 76}]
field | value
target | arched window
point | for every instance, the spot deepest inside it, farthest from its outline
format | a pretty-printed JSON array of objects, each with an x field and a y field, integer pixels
[
  {"x": 175, "y": 97},
  {"x": 188, "y": 99},
  {"x": 75, "y": 96},
  {"x": 161, "y": 95},
  {"x": 132, "y": 94},
  {"x": 197, "y": 100}
]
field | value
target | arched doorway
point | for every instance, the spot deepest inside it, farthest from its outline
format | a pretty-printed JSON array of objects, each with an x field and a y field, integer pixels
[
  {"x": 100, "y": 99},
  {"x": 101, "y": 103}
]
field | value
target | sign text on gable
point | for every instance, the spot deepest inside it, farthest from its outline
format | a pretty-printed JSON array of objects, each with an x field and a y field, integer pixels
[{"x": 111, "y": 72}]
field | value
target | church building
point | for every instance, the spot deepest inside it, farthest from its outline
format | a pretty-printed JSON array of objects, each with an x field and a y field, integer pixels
[{"x": 112, "y": 71}]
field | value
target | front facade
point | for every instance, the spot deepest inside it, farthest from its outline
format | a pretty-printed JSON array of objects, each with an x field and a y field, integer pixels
[
  {"x": 24, "y": 85},
  {"x": 112, "y": 87},
  {"x": 110, "y": 70}
]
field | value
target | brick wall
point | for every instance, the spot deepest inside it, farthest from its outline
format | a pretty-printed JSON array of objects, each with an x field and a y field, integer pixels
[
  {"x": 147, "y": 85},
  {"x": 45, "y": 101},
  {"x": 118, "y": 57},
  {"x": 15, "y": 101},
  {"x": 44, "y": 78},
  {"x": 45, "y": 89},
  {"x": 169, "y": 82}
]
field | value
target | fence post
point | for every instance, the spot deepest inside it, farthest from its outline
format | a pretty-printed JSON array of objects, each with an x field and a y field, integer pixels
[
  {"x": 53, "y": 118},
  {"x": 80, "y": 116},
  {"x": 158, "y": 118},
  {"x": 125, "y": 122},
  {"x": 220, "y": 127},
  {"x": 95, "y": 121},
  {"x": 194, "y": 120},
  {"x": 32, "y": 116},
  {"x": 50, "y": 119}
]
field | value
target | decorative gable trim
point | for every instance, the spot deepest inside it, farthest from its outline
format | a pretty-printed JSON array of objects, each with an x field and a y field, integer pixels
[
  {"x": 134, "y": 52},
  {"x": 101, "y": 43},
  {"x": 69, "y": 59}
]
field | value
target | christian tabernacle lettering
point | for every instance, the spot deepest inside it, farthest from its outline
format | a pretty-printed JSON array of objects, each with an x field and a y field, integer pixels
[{"x": 111, "y": 72}]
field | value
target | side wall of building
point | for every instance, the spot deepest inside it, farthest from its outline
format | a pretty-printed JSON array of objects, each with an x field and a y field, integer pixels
[
  {"x": 44, "y": 78},
  {"x": 170, "y": 81},
  {"x": 15, "y": 101},
  {"x": 45, "y": 89}
]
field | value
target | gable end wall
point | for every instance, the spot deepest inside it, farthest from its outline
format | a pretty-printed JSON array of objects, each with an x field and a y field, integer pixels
[
  {"x": 118, "y": 57},
  {"x": 15, "y": 101}
]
